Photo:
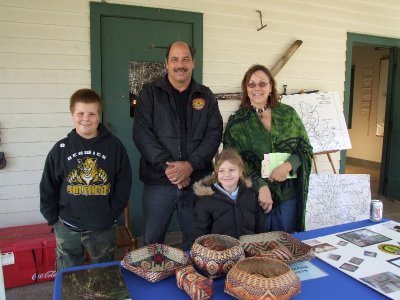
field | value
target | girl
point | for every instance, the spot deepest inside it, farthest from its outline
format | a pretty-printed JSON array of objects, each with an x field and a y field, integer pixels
[{"x": 227, "y": 205}]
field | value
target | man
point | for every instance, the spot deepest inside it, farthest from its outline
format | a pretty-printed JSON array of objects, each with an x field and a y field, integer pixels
[{"x": 178, "y": 129}]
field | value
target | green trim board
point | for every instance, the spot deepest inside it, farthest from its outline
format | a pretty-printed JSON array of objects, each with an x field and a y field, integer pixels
[
  {"x": 99, "y": 10},
  {"x": 389, "y": 172},
  {"x": 352, "y": 40}
]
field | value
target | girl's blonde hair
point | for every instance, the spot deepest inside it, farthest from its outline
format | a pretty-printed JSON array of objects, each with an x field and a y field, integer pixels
[{"x": 234, "y": 158}]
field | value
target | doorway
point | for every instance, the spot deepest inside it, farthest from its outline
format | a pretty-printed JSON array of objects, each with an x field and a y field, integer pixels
[
  {"x": 123, "y": 37},
  {"x": 368, "y": 106},
  {"x": 371, "y": 86}
]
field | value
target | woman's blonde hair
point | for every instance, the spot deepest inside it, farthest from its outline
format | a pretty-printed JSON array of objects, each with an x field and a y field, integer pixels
[{"x": 234, "y": 158}]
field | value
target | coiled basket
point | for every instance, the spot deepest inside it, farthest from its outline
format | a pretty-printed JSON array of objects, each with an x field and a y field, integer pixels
[
  {"x": 262, "y": 278},
  {"x": 215, "y": 254}
]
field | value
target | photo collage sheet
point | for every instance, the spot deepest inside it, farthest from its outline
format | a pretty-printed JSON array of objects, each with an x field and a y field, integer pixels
[{"x": 369, "y": 254}]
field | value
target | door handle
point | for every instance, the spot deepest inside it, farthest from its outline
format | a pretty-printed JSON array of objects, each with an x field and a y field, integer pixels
[{"x": 132, "y": 104}]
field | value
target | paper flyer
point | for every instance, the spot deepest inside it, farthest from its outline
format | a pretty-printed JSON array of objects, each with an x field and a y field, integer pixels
[
  {"x": 273, "y": 160},
  {"x": 306, "y": 270}
]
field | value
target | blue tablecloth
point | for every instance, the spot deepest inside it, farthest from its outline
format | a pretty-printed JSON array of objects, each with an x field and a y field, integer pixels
[{"x": 335, "y": 286}]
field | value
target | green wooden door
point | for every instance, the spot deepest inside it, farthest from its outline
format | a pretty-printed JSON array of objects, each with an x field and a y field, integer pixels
[
  {"x": 128, "y": 34},
  {"x": 391, "y": 167}
]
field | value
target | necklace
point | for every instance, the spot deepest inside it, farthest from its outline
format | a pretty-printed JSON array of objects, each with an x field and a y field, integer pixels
[{"x": 260, "y": 110}]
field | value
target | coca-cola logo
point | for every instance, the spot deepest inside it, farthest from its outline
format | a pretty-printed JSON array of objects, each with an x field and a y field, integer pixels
[{"x": 48, "y": 274}]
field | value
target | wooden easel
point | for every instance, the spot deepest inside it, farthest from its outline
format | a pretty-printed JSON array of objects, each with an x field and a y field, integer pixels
[{"x": 328, "y": 153}]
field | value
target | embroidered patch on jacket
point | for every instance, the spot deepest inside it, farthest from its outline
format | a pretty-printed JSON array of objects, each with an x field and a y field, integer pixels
[{"x": 198, "y": 103}]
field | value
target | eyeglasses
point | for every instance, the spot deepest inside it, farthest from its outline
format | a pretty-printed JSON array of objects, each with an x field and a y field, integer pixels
[{"x": 261, "y": 84}]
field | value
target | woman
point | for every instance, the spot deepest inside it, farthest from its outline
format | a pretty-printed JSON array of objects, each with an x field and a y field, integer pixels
[{"x": 264, "y": 125}]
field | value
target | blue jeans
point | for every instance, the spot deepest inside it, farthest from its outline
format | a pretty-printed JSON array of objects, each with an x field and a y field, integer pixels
[
  {"x": 159, "y": 203},
  {"x": 283, "y": 217}
]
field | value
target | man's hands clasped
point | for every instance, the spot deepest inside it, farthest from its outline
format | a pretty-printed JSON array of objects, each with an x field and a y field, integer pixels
[{"x": 178, "y": 173}]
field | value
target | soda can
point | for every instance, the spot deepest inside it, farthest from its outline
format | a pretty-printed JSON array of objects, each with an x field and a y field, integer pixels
[{"x": 376, "y": 210}]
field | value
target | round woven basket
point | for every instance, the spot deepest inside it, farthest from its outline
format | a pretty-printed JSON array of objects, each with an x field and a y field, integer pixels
[
  {"x": 215, "y": 254},
  {"x": 289, "y": 248},
  {"x": 261, "y": 278}
]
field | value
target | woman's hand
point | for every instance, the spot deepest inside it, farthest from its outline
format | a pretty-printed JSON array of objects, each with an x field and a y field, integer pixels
[
  {"x": 265, "y": 199},
  {"x": 281, "y": 172}
]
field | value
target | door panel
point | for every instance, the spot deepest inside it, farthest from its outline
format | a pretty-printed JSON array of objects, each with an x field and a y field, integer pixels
[
  {"x": 123, "y": 40},
  {"x": 391, "y": 167}
]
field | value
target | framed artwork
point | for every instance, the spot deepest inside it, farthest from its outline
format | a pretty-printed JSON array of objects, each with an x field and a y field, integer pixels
[{"x": 363, "y": 237}]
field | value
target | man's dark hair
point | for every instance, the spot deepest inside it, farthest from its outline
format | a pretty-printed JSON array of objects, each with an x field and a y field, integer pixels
[{"x": 191, "y": 49}]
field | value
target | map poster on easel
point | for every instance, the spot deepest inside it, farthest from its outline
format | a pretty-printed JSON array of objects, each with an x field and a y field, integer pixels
[
  {"x": 323, "y": 118},
  {"x": 337, "y": 199}
]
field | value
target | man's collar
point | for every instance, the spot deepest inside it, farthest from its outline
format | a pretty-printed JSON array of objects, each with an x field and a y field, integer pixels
[{"x": 175, "y": 89}]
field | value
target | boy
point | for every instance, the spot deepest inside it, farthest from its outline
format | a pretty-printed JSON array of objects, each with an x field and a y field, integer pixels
[{"x": 85, "y": 185}]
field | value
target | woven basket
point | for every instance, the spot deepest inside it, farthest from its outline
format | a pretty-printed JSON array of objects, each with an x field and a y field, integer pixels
[
  {"x": 277, "y": 245},
  {"x": 215, "y": 254},
  {"x": 262, "y": 278},
  {"x": 155, "y": 262},
  {"x": 197, "y": 286}
]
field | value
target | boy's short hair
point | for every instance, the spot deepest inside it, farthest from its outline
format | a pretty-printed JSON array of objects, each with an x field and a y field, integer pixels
[{"x": 85, "y": 96}]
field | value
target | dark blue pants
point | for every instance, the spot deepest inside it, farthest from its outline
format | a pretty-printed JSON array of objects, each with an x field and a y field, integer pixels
[
  {"x": 283, "y": 217},
  {"x": 159, "y": 203}
]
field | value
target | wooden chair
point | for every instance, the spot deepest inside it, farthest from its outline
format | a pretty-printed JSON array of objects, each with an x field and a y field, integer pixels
[{"x": 124, "y": 236}]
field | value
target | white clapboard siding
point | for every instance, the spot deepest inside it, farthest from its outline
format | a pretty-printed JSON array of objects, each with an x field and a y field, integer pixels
[
  {"x": 31, "y": 135},
  {"x": 36, "y": 120},
  {"x": 44, "y": 61},
  {"x": 21, "y": 217},
  {"x": 19, "y": 45},
  {"x": 44, "y": 16},
  {"x": 49, "y": 5},
  {"x": 28, "y": 163},
  {"x": 12, "y": 178},
  {"x": 39, "y": 91},
  {"x": 42, "y": 31},
  {"x": 19, "y": 191},
  {"x": 15, "y": 150},
  {"x": 24, "y": 106},
  {"x": 45, "y": 57},
  {"x": 13, "y": 205},
  {"x": 227, "y": 107},
  {"x": 18, "y": 75}
]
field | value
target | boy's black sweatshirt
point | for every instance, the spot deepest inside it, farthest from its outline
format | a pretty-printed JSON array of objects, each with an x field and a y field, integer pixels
[{"x": 86, "y": 182}]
